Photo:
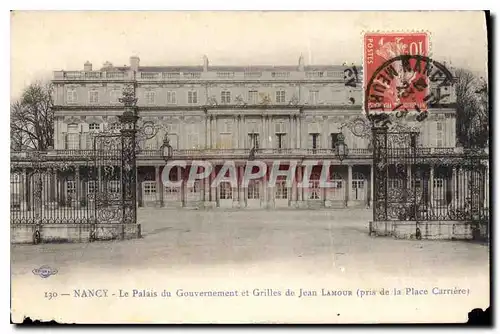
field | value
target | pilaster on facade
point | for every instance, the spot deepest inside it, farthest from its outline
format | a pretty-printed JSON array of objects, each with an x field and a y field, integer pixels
[{"x": 349, "y": 185}]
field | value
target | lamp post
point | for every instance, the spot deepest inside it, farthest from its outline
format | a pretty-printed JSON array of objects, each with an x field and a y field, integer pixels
[
  {"x": 341, "y": 149},
  {"x": 128, "y": 132},
  {"x": 253, "y": 150},
  {"x": 166, "y": 149}
]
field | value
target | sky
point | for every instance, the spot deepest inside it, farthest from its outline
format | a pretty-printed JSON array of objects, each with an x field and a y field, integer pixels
[{"x": 42, "y": 42}]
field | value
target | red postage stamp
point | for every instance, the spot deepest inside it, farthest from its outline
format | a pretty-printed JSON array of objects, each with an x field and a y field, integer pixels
[{"x": 394, "y": 76}]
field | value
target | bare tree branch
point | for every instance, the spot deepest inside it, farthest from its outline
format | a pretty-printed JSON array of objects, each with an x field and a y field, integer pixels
[
  {"x": 32, "y": 118},
  {"x": 472, "y": 110}
]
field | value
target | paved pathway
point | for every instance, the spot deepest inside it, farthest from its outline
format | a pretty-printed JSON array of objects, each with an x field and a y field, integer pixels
[{"x": 195, "y": 250}]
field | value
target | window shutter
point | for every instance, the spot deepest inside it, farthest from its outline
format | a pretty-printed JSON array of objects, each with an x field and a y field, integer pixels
[
  {"x": 313, "y": 128},
  {"x": 65, "y": 141},
  {"x": 83, "y": 141},
  {"x": 277, "y": 127}
]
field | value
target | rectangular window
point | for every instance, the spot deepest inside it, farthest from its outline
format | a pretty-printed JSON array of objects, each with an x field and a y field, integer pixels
[
  {"x": 334, "y": 137},
  {"x": 281, "y": 191},
  {"x": 149, "y": 188},
  {"x": 313, "y": 96},
  {"x": 253, "y": 96},
  {"x": 114, "y": 186},
  {"x": 280, "y": 140},
  {"x": 192, "y": 136},
  {"x": 253, "y": 140},
  {"x": 91, "y": 187},
  {"x": 280, "y": 96},
  {"x": 416, "y": 183},
  {"x": 253, "y": 134},
  {"x": 358, "y": 184},
  {"x": 253, "y": 190},
  {"x": 114, "y": 96},
  {"x": 279, "y": 127},
  {"x": 70, "y": 187},
  {"x": 192, "y": 97},
  {"x": 438, "y": 183},
  {"x": 313, "y": 141},
  {"x": 150, "y": 97},
  {"x": 226, "y": 192},
  {"x": 171, "y": 190},
  {"x": 196, "y": 188},
  {"x": 225, "y": 97},
  {"x": 94, "y": 127},
  {"x": 227, "y": 127},
  {"x": 439, "y": 126},
  {"x": 171, "y": 98},
  {"x": 93, "y": 96},
  {"x": 71, "y": 96},
  {"x": 73, "y": 141},
  {"x": 314, "y": 190},
  {"x": 439, "y": 139}
]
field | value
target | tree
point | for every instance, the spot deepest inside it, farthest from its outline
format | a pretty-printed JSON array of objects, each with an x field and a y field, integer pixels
[
  {"x": 472, "y": 110},
  {"x": 32, "y": 118}
]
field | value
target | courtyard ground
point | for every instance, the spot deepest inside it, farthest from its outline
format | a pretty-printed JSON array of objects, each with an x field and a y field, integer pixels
[{"x": 309, "y": 249}]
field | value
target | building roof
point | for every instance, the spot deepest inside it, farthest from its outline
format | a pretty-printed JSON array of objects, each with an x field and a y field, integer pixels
[{"x": 230, "y": 68}]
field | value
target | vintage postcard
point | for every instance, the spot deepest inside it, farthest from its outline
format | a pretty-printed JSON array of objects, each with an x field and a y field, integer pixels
[{"x": 249, "y": 167}]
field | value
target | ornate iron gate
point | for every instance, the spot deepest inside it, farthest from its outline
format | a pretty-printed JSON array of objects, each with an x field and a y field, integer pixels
[
  {"x": 394, "y": 157},
  {"x": 423, "y": 184},
  {"x": 115, "y": 166}
]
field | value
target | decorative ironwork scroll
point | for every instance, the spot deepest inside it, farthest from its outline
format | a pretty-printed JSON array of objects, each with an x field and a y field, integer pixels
[{"x": 420, "y": 184}]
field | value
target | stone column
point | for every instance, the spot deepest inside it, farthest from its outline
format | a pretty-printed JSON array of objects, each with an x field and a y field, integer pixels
[
  {"x": 53, "y": 186},
  {"x": 324, "y": 133},
  {"x": 264, "y": 132},
  {"x": 365, "y": 189},
  {"x": 453, "y": 185},
  {"x": 270, "y": 133},
  {"x": 240, "y": 184},
  {"x": 213, "y": 191},
  {"x": 213, "y": 130},
  {"x": 349, "y": 184},
  {"x": 180, "y": 178},
  {"x": 264, "y": 190},
  {"x": 208, "y": 136},
  {"x": 300, "y": 191},
  {"x": 372, "y": 185},
  {"x": 24, "y": 192},
  {"x": 236, "y": 133},
  {"x": 431, "y": 186},
  {"x": 242, "y": 132},
  {"x": 159, "y": 201},
  {"x": 298, "y": 134},
  {"x": 294, "y": 187},
  {"x": 206, "y": 189},
  {"x": 408, "y": 176}
]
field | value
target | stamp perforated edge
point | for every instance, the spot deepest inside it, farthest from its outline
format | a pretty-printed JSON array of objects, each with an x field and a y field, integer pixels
[{"x": 381, "y": 32}]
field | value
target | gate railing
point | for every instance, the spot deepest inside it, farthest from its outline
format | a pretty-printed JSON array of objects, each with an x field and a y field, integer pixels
[{"x": 413, "y": 184}]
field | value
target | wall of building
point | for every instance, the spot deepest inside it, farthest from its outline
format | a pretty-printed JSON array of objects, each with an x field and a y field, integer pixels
[{"x": 314, "y": 100}]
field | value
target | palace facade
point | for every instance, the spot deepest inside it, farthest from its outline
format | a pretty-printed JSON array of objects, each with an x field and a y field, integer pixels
[{"x": 219, "y": 113}]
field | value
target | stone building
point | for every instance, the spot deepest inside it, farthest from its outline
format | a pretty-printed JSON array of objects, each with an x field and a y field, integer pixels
[{"x": 216, "y": 113}]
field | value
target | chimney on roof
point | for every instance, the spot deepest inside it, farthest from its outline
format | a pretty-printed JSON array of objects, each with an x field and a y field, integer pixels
[
  {"x": 301, "y": 63},
  {"x": 107, "y": 65},
  {"x": 87, "y": 67},
  {"x": 205, "y": 63},
  {"x": 134, "y": 63}
]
